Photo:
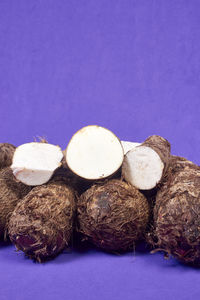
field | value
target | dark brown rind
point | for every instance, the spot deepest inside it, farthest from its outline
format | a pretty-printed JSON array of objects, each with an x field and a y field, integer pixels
[
  {"x": 177, "y": 212},
  {"x": 6, "y": 154},
  {"x": 113, "y": 215},
  {"x": 42, "y": 223},
  {"x": 177, "y": 165},
  {"x": 11, "y": 192},
  {"x": 161, "y": 146}
]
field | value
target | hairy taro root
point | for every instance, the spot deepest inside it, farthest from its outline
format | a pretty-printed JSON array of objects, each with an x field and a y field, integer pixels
[
  {"x": 145, "y": 165},
  {"x": 6, "y": 154},
  {"x": 10, "y": 194},
  {"x": 42, "y": 223},
  {"x": 113, "y": 215},
  {"x": 177, "y": 212}
]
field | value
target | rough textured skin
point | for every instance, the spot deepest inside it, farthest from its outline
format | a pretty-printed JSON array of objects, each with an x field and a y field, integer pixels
[
  {"x": 161, "y": 146},
  {"x": 177, "y": 164},
  {"x": 41, "y": 224},
  {"x": 113, "y": 215},
  {"x": 10, "y": 194},
  {"x": 6, "y": 154},
  {"x": 177, "y": 212}
]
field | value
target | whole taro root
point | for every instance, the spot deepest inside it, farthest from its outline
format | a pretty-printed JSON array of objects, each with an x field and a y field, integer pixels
[
  {"x": 113, "y": 215},
  {"x": 177, "y": 212},
  {"x": 42, "y": 223}
]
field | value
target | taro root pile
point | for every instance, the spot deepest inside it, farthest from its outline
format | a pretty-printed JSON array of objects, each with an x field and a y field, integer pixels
[{"x": 110, "y": 192}]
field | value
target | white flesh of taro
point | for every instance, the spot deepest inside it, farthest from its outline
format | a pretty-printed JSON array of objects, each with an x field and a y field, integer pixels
[
  {"x": 35, "y": 163},
  {"x": 127, "y": 146},
  {"x": 94, "y": 152},
  {"x": 142, "y": 167}
]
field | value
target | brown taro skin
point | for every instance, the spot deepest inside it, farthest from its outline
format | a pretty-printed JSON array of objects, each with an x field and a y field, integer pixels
[
  {"x": 177, "y": 212},
  {"x": 113, "y": 215},
  {"x": 11, "y": 192},
  {"x": 6, "y": 154},
  {"x": 42, "y": 223},
  {"x": 161, "y": 146}
]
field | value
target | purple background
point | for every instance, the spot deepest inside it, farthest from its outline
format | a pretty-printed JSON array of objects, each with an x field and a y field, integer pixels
[{"x": 131, "y": 66}]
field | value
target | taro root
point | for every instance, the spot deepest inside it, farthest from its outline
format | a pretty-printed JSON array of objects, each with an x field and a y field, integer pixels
[
  {"x": 113, "y": 215},
  {"x": 41, "y": 224},
  {"x": 177, "y": 212},
  {"x": 94, "y": 153},
  {"x": 145, "y": 165},
  {"x": 35, "y": 163},
  {"x": 6, "y": 154},
  {"x": 10, "y": 194}
]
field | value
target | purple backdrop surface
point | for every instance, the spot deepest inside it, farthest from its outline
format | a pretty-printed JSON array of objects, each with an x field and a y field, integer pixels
[{"x": 131, "y": 66}]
